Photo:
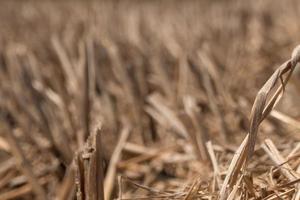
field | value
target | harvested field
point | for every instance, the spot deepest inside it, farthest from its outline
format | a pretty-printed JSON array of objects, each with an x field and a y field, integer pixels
[{"x": 150, "y": 100}]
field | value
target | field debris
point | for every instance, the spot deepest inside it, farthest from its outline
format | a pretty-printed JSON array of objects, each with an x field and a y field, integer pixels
[{"x": 150, "y": 100}]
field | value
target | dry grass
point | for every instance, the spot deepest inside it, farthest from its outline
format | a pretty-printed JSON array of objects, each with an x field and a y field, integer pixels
[{"x": 149, "y": 100}]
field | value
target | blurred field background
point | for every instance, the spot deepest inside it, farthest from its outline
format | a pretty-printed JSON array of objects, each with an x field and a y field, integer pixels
[{"x": 162, "y": 89}]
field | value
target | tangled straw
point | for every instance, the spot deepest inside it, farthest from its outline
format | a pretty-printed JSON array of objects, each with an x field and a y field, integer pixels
[
  {"x": 269, "y": 95},
  {"x": 266, "y": 99}
]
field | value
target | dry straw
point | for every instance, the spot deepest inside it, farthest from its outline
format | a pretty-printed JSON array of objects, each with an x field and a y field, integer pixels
[
  {"x": 266, "y": 99},
  {"x": 169, "y": 101},
  {"x": 238, "y": 182}
]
